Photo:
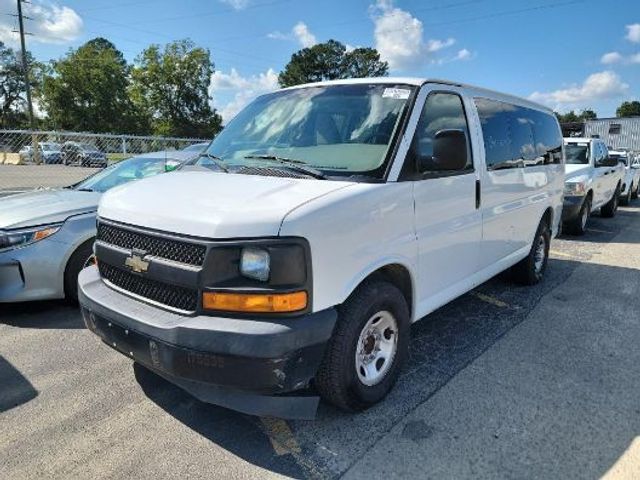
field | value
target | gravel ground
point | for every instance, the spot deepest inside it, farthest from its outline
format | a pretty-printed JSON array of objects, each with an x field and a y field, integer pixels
[{"x": 505, "y": 381}]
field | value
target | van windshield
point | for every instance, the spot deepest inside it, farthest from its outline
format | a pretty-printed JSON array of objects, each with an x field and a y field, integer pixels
[
  {"x": 337, "y": 129},
  {"x": 577, "y": 153}
]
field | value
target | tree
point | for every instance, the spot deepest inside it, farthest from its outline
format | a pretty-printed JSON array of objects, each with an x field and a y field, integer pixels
[
  {"x": 629, "y": 109},
  {"x": 330, "y": 61},
  {"x": 172, "y": 87},
  {"x": 572, "y": 116},
  {"x": 13, "y": 102},
  {"x": 87, "y": 91}
]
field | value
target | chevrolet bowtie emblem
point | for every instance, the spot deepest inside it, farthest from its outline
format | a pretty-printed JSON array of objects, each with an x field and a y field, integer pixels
[{"x": 136, "y": 263}]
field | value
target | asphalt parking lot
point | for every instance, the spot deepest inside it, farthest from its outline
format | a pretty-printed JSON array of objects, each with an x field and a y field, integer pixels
[
  {"x": 507, "y": 381},
  {"x": 24, "y": 177}
]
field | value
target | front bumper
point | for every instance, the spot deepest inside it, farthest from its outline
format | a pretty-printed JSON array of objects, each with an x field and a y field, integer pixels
[
  {"x": 248, "y": 365},
  {"x": 32, "y": 272},
  {"x": 571, "y": 207}
]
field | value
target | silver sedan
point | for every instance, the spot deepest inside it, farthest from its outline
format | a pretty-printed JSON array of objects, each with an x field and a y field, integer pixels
[{"x": 46, "y": 236}]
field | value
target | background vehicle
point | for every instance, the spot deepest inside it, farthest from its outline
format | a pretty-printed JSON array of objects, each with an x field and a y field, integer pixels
[
  {"x": 83, "y": 154},
  {"x": 50, "y": 152},
  {"x": 593, "y": 180},
  {"x": 351, "y": 209},
  {"x": 631, "y": 181},
  {"x": 46, "y": 236}
]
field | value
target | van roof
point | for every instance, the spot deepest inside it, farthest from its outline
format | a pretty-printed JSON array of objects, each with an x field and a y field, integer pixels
[
  {"x": 581, "y": 139},
  {"x": 418, "y": 81}
]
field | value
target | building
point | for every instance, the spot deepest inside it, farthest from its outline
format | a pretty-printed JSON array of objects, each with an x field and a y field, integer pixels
[{"x": 618, "y": 133}]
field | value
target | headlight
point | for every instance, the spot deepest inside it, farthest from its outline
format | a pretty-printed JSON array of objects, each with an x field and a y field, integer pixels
[
  {"x": 575, "y": 188},
  {"x": 19, "y": 238},
  {"x": 255, "y": 263}
]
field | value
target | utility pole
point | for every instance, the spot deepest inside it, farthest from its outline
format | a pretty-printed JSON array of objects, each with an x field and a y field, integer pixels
[
  {"x": 25, "y": 66},
  {"x": 27, "y": 84}
]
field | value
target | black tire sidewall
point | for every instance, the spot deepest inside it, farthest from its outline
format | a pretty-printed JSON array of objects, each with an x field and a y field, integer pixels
[
  {"x": 339, "y": 383},
  {"x": 75, "y": 264},
  {"x": 543, "y": 231}
]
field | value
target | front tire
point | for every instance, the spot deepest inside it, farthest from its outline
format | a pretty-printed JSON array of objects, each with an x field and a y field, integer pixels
[
  {"x": 610, "y": 209},
  {"x": 368, "y": 348},
  {"x": 579, "y": 225},
  {"x": 530, "y": 270},
  {"x": 634, "y": 195},
  {"x": 78, "y": 260}
]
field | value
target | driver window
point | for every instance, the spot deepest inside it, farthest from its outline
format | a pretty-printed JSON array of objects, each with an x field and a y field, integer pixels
[{"x": 441, "y": 111}]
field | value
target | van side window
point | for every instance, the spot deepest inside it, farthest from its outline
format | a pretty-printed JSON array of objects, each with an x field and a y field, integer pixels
[
  {"x": 548, "y": 137},
  {"x": 441, "y": 111},
  {"x": 495, "y": 122},
  {"x": 517, "y": 136}
]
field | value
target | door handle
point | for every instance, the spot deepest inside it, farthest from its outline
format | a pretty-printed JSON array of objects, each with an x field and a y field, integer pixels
[{"x": 478, "y": 198}]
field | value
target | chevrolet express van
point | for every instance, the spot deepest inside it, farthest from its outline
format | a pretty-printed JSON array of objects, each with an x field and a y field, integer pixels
[{"x": 292, "y": 257}]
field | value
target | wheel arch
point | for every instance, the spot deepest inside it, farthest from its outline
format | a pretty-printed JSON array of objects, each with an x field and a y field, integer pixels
[{"x": 397, "y": 273}]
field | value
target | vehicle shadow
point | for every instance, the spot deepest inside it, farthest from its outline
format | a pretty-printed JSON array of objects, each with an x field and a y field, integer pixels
[
  {"x": 441, "y": 346},
  {"x": 41, "y": 314},
  {"x": 15, "y": 389}
]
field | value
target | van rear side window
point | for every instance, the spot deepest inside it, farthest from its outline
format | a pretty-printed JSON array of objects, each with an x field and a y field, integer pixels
[{"x": 516, "y": 136}]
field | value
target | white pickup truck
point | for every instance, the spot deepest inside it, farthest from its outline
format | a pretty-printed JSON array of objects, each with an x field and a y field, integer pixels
[
  {"x": 593, "y": 180},
  {"x": 631, "y": 182}
]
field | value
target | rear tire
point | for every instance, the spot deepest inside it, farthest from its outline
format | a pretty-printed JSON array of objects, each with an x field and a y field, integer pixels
[
  {"x": 530, "y": 270},
  {"x": 78, "y": 260},
  {"x": 579, "y": 225},
  {"x": 610, "y": 209},
  {"x": 343, "y": 379},
  {"x": 634, "y": 195},
  {"x": 626, "y": 200}
]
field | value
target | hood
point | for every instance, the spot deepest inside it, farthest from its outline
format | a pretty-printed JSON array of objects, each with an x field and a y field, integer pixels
[
  {"x": 212, "y": 204},
  {"x": 45, "y": 206},
  {"x": 572, "y": 170}
]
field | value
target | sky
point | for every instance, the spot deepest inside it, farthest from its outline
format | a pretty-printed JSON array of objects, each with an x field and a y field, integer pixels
[{"x": 567, "y": 54}]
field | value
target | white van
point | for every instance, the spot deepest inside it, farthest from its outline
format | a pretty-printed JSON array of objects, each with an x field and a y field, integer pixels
[{"x": 318, "y": 225}]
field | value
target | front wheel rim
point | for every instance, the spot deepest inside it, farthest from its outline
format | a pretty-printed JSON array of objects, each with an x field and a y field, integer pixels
[{"x": 376, "y": 348}]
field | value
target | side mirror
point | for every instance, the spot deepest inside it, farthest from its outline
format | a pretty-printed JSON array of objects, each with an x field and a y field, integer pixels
[{"x": 449, "y": 152}]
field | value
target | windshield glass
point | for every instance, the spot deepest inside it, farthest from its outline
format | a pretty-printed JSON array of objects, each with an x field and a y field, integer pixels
[
  {"x": 577, "y": 153},
  {"x": 122, "y": 172},
  {"x": 337, "y": 129},
  {"x": 198, "y": 147}
]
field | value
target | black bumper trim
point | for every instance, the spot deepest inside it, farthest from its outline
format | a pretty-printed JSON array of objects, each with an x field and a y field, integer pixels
[{"x": 571, "y": 208}]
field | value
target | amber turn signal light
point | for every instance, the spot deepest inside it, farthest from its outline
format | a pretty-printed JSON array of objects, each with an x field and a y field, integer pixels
[{"x": 255, "y": 302}]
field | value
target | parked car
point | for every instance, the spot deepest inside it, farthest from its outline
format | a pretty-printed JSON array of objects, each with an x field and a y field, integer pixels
[
  {"x": 46, "y": 236},
  {"x": 83, "y": 155},
  {"x": 319, "y": 224},
  {"x": 593, "y": 180},
  {"x": 196, "y": 147},
  {"x": 631, "y": 179},
  {"x": 50, "y": 152}
]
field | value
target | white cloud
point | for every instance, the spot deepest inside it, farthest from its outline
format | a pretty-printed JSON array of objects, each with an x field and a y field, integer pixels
[
  {"x": 463, "y": 54},
  {"x": 239, "y": 90},
  {"x": 615, "y": 57},
  {"x": 597, "y": 86},
  {"x": 633, "y": 33},
  {"x": 304, "y": 36},
  {"x": 300, "y": 33},
  {"x": 611, "y": 57},
  {"x": 399, "y": 38},
  {"x": 49, "y": 23},
  {"x": 236, "y": 4},
  {"x": 437, "y": 45}
]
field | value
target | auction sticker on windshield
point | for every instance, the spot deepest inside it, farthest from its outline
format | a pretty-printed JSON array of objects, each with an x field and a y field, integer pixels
[{"x": 397, "y": 93}]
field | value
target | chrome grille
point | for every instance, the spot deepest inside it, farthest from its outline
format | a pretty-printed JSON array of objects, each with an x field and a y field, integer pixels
[
  {"x": 176, "y": 250},
  {"x": 173, "y": 296}
]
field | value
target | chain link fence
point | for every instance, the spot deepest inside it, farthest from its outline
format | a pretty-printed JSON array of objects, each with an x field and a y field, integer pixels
[{"x": 48, "y": 159}]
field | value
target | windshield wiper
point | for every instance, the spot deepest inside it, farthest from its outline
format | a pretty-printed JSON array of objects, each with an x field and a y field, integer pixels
[
  {"x": 293, "y": 164},
  {"x": 84, "y": 189},
  {"x": 217, "y": 160}
]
